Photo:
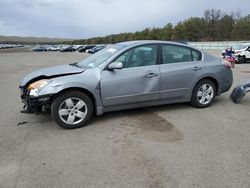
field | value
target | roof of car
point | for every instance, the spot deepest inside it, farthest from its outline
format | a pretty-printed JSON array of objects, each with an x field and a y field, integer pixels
[{"x": 138, "y": 42}]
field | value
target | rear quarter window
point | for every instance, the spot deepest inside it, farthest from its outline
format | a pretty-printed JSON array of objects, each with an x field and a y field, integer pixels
[{"x": 197, "y": 56}]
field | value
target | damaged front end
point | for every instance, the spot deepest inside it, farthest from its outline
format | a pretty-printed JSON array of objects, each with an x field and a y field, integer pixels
[
  {"x": 34, "y": 104},
  {"x": 239, "y": 92},
  {"x": 33, "y": 86}
]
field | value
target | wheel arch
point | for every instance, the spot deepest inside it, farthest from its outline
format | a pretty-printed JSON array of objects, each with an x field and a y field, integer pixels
[
  {"x": 214, "y": 80},
  {"x": 85, "y": 91}
]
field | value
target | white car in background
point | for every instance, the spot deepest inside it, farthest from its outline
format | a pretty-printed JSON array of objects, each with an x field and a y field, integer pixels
[
  {"x": 243, "y": 54},
  {"x": 53, "y": 48}
]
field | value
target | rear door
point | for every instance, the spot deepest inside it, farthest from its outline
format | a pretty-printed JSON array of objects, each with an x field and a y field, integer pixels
[
  {"x": 138, "y": 80},
  {"x": 179, "y": 69}
]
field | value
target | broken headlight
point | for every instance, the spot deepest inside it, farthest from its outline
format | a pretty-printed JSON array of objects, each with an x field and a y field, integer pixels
[{"x": 35, "y": 87}]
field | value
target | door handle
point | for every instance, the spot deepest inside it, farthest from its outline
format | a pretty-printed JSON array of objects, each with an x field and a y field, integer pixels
[
  {"x": 196, "y": 68},
  {"x": 150, "y": 75}
]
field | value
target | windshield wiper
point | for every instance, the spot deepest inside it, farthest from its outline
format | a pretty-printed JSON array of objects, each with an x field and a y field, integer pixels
[{"x": 75, "y": 64}]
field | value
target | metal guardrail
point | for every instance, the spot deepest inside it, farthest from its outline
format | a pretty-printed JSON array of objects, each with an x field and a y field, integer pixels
[{"x": 215, "y": 45}]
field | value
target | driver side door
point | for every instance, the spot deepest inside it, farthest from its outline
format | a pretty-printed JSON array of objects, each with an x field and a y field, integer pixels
[{"x": 137, "y": 82}]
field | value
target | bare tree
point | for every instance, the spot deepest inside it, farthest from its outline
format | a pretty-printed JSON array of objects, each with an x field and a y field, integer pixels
[
  {"x": 236, "y": 15},
  {"x": 212, "y": 15}
]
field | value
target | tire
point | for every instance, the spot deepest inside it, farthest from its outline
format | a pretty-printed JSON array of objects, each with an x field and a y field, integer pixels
[
  {"x": 72, "y": 109},
  {"x": 242, "y": 59},
  {"x": 203, "y": 94}
]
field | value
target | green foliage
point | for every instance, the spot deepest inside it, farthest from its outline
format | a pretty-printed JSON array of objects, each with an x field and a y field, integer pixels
[
  {"x": 225, "y": 27},
  {"x": 192, "y": 29},
  {"x": 241, "y": 29},
  {"x": 215, "y": 25}
]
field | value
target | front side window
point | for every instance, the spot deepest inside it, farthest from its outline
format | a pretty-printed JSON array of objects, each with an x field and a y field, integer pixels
[
  {"x": 177, "y": 54},
  {"x": 139, "y": 56}
]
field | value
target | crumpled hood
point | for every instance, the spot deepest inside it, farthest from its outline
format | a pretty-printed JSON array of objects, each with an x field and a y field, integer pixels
[{"x": 50, "y": 72}]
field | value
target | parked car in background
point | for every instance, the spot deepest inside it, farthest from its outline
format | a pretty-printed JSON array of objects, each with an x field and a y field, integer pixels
[
  {"x": 86, "y": 47},
  {"x": 76, "y": 46},
  {"x": 53, "y": 48},
  {"x": 79, "y": 46},
  {"x": 68, "y": 49},
  {"x": 126, "y": 75},
  {"x": 95, "y": 49},
  {"x": 6, "y": 46},
  {"x": 241, "y": 52},
  {"x": 40, "y": 49}
]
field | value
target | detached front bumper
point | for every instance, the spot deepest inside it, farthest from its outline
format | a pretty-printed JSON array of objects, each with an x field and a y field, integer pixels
[{"x": 33, "y": 105}]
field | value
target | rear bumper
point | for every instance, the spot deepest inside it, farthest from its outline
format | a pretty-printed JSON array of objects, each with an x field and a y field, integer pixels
[
  {"x": 239, "y": 92},
  {"x": 226, "y": 81},
  {"x": 225, "y": 87}
]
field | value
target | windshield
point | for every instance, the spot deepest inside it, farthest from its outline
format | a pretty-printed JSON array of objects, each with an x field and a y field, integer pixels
[
  {"x": 241, "y": 46},
  {"x": 100, "y": 57}
]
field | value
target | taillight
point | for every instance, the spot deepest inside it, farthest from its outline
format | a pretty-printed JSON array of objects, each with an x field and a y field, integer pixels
[{"x": 226, "y": 63}]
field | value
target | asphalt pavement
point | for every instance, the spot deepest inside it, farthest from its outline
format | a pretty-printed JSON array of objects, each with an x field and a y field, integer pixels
[{"x": 165, "y": 146}]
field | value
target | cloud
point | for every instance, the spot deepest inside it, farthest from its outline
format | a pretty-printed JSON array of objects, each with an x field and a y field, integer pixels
[{"x": 82, "y": 18}]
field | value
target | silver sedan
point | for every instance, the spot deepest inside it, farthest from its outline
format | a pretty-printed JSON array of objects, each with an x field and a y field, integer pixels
[{"x": 126, "y": 75}]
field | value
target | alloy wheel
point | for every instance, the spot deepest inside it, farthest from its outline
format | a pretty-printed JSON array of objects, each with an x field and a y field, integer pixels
[
  {"x": 72, "y": 111},
  {"x": 205, "y": 94}
]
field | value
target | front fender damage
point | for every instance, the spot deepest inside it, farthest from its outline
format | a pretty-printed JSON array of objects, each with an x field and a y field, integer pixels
[{"x": 34, "y": 105}]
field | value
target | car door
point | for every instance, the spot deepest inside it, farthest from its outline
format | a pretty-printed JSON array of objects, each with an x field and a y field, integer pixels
[
  {"x": 178, "y": 71},
  {"x": 138, "y": 80},
  {"x": 247, "y": 53}
]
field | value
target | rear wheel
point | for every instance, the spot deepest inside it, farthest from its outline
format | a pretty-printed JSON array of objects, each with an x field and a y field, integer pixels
[
  {"x": 72, "y": 109},
  {"x": 203, "y": 94},
  {"x": 242, "y": 59}
]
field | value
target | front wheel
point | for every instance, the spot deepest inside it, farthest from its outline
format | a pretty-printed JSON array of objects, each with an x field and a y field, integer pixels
[
  {"x": 72, "y": 109},
  {"x": 203, "y": 94}
]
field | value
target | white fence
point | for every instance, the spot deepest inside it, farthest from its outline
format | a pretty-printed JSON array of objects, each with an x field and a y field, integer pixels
[{"x": 215, "y": 44}]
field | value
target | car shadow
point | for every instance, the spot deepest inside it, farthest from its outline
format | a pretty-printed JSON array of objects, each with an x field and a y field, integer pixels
[{"x": 138, "y": 112}]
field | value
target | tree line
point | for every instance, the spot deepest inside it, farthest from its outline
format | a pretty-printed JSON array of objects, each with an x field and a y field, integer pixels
[{"x": 213, "y": 26}]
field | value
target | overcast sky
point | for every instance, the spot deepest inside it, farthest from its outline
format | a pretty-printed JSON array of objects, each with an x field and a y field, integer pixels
[{"x": 89, "y": 18}]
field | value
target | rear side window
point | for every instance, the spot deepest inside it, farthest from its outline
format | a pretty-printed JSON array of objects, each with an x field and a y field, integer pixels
[
  {"x": 177, "y": 54},
  {"x": 196, "y": 55}
]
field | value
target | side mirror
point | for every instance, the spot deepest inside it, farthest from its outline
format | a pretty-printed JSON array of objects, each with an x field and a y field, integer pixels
[{"x": 115, "y": 65}]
